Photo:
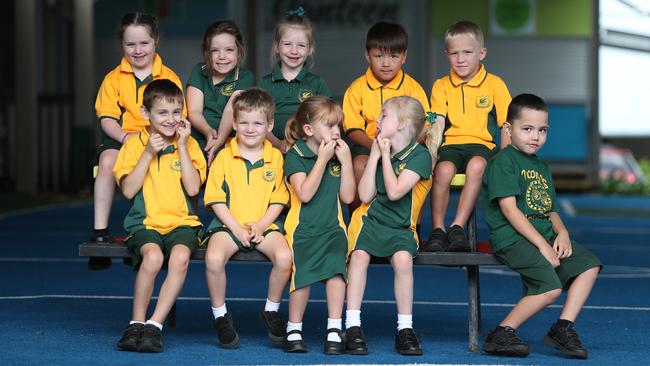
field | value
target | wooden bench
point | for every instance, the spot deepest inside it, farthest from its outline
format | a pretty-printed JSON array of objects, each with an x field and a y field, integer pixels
[{"x": 469, "y": 260}]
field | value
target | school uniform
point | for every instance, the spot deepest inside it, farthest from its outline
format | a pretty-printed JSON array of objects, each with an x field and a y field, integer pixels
[
  {"x": 315, "y": 230},
  {"x": 216, "y": 96},
  {"x": 289, "y": 94},
  {"x": 247, "y": 188},
  {"x": 366, "y": 95},
  {"x": 161, "y": 206},
  {"x": 384, "y": 227},
  {"x": 526, "y": 177}
]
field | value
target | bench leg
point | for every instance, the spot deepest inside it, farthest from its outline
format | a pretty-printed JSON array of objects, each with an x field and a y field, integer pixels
[
  {"x": 473, "y": 307},
  {"x": 171, "y": 318}
]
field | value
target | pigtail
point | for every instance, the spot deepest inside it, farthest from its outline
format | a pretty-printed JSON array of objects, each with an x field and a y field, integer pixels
[
  {"x": 293, "y": 131},
  {"x": 432, "y": 135}
]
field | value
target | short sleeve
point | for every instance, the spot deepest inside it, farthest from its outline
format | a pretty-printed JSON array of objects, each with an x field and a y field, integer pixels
[
  {"x": 106, "y": 104},
  {"x": 501, "y": 178},
  {"x": 421, "y": 96},
  {"x": 198, "y": 159},
  {"x": 214, "y": 186},
  {"x": 420, "y": 163},
  {"x": 126, "y": 160},
  {"x": 196, "y": 77},
  {"x": 280, "y": 194},
  {"x": 293, "y": 163},
  {"x": 439, "y": 98},
  {"x": 246, "y": 80},
  {"x": 323, "y": 89},
  {"x": 501, "y": 100},
  {"x": 352, "y": 104}
]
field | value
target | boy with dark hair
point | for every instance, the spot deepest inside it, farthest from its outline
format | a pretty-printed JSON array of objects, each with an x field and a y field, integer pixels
[
  {"x": 159, "y": 170},
  {"x": 528, "y": 235}
]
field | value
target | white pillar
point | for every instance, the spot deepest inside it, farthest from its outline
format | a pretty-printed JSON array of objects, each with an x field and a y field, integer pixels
[{"x": 84, "y": 77}]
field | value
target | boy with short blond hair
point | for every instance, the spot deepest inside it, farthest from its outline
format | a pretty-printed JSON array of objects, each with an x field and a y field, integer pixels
[
  {"x": 386, "y": 51},
  {"x": 247, "y": 193},
  {"x": 471, "y": 104},
  {"x": 162, "y": 160}
]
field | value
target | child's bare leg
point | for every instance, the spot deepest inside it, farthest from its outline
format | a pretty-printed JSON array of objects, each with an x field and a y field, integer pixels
[
  {"x": 275, "y": 247},
  {"x": 179, "y": 260},
  {"x": 104, "y": 189},
  {"x": 358, "y": 166},
  {"x": 152, "y": 261},
  {"x": 578, "y": 294},
  {"x": 471, "y": 190},
  {"x": 357, "y": 273},
  {"x": 220, "y": 248},
  {"x": 402, "y": 263},
  {"x": 442, "y": 176},
  {"x": 529, "y": 306},
  {"x": 298, "y": 303},
  {"x": 335, "y": 292}
]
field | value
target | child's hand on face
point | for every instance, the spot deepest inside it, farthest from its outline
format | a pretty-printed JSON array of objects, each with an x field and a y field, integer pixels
[
  {"x": 550, "y": 255},
  {"x": 342, "y": 150},
  {"x": 184, "y": 130},
  {"x": 326, "y": 149},
  {"x": 374, "y": 150},
  {"x": 155, "y": 143},
  {"x": 384, "y": 145}
]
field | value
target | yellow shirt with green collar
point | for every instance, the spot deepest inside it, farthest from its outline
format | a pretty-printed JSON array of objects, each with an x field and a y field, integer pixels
[
  {"x": 366, "y": 95},
  {"x": 247, "y": 188},
  {"x": 161, "y": 204},
  {"x": 474, "y": 111},
  {"x": 120, "y": 95}
]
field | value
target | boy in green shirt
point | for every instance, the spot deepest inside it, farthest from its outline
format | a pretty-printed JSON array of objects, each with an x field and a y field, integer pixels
[{"x": 528, "y": 235}]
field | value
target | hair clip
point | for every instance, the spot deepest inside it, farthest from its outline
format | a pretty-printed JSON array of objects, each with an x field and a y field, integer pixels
[
  {"x": 299, "y": 11},
  {"x": 430, "y": 118}
]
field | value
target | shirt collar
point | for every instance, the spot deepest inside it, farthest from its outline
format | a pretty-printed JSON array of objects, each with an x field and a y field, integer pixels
[
  {"x": 276, "y": 75},
  {"x": 374, "y": 83},
  {"x": 144, "y": 135},
  {"x": 231, "y": 77},
  {"x": 476, "y": 80},
  {"x": 156, "y": 68},
  {"x": 267, "y": 155},
  {"x": 405, "y": 152},
  {"x": 303, "y": 149}
]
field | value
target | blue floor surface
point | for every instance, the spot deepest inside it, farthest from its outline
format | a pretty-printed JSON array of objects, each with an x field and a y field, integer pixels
[{"x": 53, "y": 311}]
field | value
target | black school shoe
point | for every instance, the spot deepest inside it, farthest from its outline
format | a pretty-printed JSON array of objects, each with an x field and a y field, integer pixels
[
  {"x": 437, "y": 241},
  {"x": 457, "y": 240},
  {"x": 131, "y": 338},
  {"x": 407, "y": 343},
  {"x": 354, "y": 342},
  {"x": 565, "y": 339},
  {"x": 275, "y": 326},
  {"x": 100, "y": 263},
  {"x": 503, "y": 341},
  {"x": 296, "y": 346},
  {"x": 227, "y": 335},
  {"x": 151, "y": 340},
  {"x": 332, "y": 347}
]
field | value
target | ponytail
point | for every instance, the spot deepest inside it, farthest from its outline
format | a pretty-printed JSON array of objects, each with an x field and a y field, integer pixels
[{"x": 293, "y": 131}]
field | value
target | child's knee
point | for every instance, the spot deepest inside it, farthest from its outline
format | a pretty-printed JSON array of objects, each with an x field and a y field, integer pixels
[
  {"x": 359, "y": 257},
  {"x": 215, "y": 258},
  {"x": 444, "y": 173},
  {"x": 152, "y": 261},
  {"x": 179, "y": 258},
  {"x": 402, "y": 261},
  {"x": 552, "y": 296},
  {"x": 283, "y": 260},
  {"x": 475, "y": 167}
]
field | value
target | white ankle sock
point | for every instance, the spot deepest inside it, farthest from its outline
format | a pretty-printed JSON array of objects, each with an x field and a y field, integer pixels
[
  {"x": 220, "y": 311},
  {"x": 294, "y": 326},
  {"x": 271, "y": 306},
  {"x": 334, "y": 324},
  {"x": 404, "y": 321},
  {"x": 158, "y": 325},
  {"x": 135, "y": 321},
  {"x": 352, "y": 318}
]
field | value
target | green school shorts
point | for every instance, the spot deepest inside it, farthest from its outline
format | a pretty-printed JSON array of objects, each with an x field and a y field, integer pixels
[
  {"x": 536, "y": 272},
  {"x": 461, "y": 154},
  {"x": 182, "y": 235},
  {"x": 234, "y": 238}
]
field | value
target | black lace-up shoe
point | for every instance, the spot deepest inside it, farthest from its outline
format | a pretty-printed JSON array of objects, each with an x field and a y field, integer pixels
[
  {"x": 131, "y": 337},
  {"x": 295, "y": 346},
  {"x": 354, "y": 342},
  {"x": 151, "y": 340},
  {"x": 565, "y": 339},
  {"x": 437, "y": 241},
  {"x": 407, "y": 343},
  {"x": 275, "y": 326},
  {"x": 333, "y": 347},
  {"x": 503, "y": 341},
  {"x": 228, "y": 337},
  {"x": 457, "y": 239}
]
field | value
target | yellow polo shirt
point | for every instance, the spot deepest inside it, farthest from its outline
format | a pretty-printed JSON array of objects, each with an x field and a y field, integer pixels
[
  {"x": 366, "y": 95},
  {"x": 474, "y": 110},
  {"x": 247, "y": 188},
  {"x": 120, "y": 95},
  {"x": 162, "y": 203}
]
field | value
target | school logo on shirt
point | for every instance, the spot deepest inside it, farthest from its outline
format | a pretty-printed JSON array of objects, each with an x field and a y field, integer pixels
[
  {"x": 269, "y": 174},
  {"x": 175, "y": 166},
  {"x": 483, "y": 101},
  {"x": 399, "y": 168},
  {"x": 335, "y": 170},
  {"x": 537, "y": 196},
  {"x": 304, "y": 94},
  {"x": 227, "y": 89}
]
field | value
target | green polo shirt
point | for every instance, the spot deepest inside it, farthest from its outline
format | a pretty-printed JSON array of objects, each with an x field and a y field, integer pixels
[
  {"x": 513, "y": 173},
  {"x": 216, "y": 96},
  {"x": 289, "y": 94}
]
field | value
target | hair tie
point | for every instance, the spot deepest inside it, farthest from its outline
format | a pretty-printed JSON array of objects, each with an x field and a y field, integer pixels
[
  {"x": 431, "y": 118},
  {"x": 299, "y": 11}
]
